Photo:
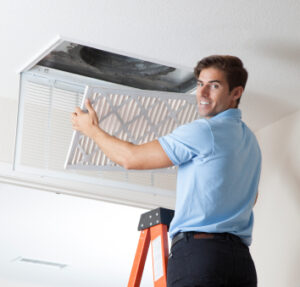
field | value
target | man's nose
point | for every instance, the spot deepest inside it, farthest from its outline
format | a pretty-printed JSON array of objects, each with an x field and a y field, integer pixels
[{"x": 204, "y": 91}]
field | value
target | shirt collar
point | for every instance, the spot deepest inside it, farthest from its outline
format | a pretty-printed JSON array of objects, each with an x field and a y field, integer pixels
[{"x": 230, "y": 113}]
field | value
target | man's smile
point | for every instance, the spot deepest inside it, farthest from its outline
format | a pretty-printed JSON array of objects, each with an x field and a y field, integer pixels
[{"x": 204, "y": 103}]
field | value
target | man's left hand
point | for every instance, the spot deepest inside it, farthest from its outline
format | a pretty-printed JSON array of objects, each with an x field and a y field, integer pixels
[{"x": 85, "y": 122}]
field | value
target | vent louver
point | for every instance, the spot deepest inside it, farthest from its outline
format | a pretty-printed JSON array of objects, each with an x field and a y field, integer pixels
[{"x": 45, "y": 120}]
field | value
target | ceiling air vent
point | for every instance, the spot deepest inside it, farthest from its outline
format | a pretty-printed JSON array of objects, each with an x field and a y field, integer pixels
[
  {"x": 136, "y": 99},
  {"x": 41, "y": 262}
]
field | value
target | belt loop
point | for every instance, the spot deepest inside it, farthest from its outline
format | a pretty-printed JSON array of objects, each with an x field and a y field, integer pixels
[{"x": 186, "y": 236}]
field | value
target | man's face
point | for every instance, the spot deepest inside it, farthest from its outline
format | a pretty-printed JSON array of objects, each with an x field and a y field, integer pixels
[{"x": 213, "y": 94}]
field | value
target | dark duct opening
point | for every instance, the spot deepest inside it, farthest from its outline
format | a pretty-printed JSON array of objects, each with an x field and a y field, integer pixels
[{"x": 118, "y": 69}]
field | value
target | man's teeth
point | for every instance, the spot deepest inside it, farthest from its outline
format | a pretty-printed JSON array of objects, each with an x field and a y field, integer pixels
[{"x": 204, "y": 103}]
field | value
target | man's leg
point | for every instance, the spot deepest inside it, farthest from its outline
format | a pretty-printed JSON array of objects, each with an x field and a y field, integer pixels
[{"x": 245, "y": 272}]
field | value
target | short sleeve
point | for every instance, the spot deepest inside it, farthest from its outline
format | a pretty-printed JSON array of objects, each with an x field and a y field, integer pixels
[{"x": 188, "y": 141}]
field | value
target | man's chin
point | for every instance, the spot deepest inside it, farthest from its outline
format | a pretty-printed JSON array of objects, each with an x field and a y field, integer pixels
[{"x": 204, "y": 114}]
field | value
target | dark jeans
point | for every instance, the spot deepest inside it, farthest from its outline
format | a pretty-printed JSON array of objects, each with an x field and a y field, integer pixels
[{"x": 210, "y": 262}]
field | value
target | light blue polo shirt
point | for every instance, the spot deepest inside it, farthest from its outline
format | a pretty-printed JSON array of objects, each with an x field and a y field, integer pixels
[{"x": 219, "y": 168}]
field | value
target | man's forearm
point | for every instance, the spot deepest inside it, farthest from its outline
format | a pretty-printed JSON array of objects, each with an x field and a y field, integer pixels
[
  {"x": 117, "y": 150},
  {"x": 145, "y": 156}
]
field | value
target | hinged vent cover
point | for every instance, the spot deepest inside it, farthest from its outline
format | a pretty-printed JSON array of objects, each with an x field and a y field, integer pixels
[
  {"x": 45, "y": 130},
  {"x": 132, "y": 115}
]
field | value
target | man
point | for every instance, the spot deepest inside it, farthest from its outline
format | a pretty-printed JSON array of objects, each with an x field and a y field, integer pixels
[{"x": 219, "y": 167}]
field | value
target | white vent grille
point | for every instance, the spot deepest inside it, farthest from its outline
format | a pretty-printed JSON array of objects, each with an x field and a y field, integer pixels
[
  {"x": 45, "y": 130},
  {"x": 132, "y": 115}
]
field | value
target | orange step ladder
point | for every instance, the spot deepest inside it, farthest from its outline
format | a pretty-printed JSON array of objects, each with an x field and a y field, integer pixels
[{"x": 154, "y": 227}]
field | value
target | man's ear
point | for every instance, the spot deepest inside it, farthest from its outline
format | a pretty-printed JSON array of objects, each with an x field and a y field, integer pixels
[{"x": 237, "y": 92}]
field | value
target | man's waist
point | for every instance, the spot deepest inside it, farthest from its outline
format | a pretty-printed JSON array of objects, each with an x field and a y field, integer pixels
[{"x": 204, "y": 235}]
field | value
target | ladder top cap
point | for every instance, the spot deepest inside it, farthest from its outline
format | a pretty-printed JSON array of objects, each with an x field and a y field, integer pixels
[{"x": 156, "y": 216}]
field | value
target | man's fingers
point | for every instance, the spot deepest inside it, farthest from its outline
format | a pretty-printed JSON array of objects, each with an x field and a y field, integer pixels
[
  {"x": 78, "y": 111},
  {"x": 91, "y": 112},
  {"x": 89, "y": 106}
]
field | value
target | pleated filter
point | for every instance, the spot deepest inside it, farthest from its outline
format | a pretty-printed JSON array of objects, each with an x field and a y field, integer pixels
[{"x": 136, "y": 116}]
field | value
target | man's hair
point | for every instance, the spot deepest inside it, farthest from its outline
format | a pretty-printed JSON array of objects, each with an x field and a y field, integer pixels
[{"x": 232, "y": 66}]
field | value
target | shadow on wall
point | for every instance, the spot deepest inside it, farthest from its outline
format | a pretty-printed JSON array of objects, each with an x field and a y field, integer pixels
[
  {"x": 291, "y": 164},
  {"x": 263, "y": 110},
  {"x": 269, "y": 107},
  {"x": 281, "y": 151},
  {"x": 287, "y": 52},
  {"x": 281, "y": 164},
  {"x": 291, "y": 160}
]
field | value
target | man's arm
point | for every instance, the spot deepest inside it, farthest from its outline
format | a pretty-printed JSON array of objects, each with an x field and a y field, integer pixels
[{"x": 145, "y": 156}]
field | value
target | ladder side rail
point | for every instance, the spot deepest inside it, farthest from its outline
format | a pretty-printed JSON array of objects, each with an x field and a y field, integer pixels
[
  {"x": 160, "y": 254},
  {"x": 139, "y": 259}
]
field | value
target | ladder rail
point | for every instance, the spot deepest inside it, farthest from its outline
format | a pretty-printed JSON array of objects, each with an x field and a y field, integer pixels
[
  {"x": 160, "y": 254},
  {"x": 139, "y": 259}
]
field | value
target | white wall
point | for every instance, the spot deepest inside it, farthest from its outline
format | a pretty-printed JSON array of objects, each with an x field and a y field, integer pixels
[
  {"x": 8, "y": 111},
  {"x": 97, "y": 240},
  {"x": 14, "y": 283},
  {"x": 276, "y": 246}
]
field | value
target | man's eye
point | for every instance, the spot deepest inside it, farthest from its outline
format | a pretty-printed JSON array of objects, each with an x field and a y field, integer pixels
[
  {"x": 200, "y": 84},
  {"x": 215, "y": 86}
]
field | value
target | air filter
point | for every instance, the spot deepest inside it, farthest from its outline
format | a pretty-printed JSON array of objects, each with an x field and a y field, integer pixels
[{"x": 133, "y": 115}]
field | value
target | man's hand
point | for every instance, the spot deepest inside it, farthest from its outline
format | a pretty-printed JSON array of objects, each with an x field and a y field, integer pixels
[{"x": 85, "y": 122}]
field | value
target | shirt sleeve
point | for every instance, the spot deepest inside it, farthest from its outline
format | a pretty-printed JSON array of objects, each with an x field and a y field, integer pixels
[{"x": 188, "y": 141}]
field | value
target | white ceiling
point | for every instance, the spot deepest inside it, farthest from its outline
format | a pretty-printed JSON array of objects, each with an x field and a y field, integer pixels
[{"x": 264, "y": 34}]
